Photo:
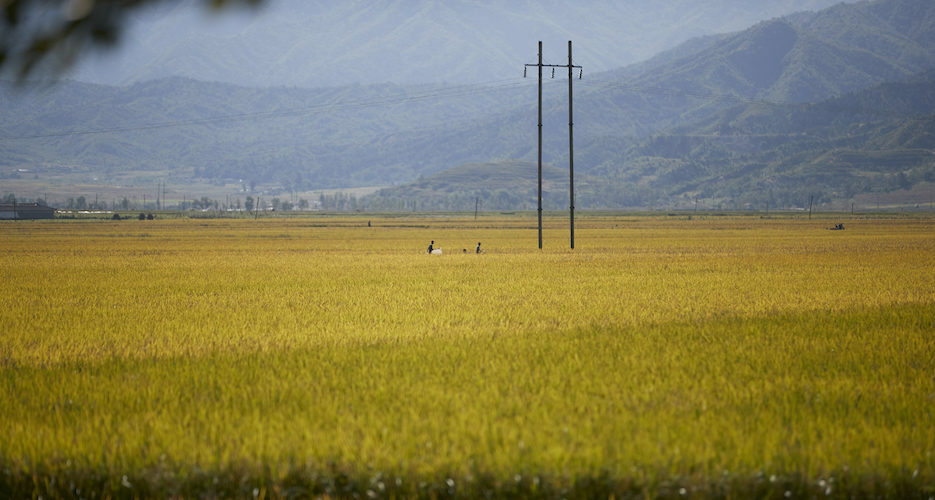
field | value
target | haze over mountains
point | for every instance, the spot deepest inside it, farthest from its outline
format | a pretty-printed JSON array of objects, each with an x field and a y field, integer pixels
[
  {"x": 313, "y": 43},
  {"x": 836, "y": 104}
]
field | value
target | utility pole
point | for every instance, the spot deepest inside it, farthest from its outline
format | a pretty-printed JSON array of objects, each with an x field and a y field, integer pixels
[
  {"x": 571, "y": 147},
  {"x": 571, "y": 154},
  {"x": 539, "y": 65}
]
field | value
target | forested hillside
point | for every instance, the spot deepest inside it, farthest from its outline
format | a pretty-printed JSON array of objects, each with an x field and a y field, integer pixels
[
  {"x": 752, "y": 155},
  {"x": 878, "y": 140},
  {"x": 505, "y": 185}
]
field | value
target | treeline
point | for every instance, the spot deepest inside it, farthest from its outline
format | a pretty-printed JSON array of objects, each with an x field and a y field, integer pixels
[
  {"x": 12, "y": 198},
  {"x": 204, "y": 203}
]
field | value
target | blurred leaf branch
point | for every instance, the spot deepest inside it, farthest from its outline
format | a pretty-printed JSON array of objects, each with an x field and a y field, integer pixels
[{"x": 42, "y": 38}]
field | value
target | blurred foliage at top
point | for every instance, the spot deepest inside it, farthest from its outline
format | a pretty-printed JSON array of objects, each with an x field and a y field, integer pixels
[{"x": 43, "y": 37}]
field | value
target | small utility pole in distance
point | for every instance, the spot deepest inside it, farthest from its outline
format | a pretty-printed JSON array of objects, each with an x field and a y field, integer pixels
[
  {"x": 571, "y": 147},
  {"x": 571, "y": 151}
]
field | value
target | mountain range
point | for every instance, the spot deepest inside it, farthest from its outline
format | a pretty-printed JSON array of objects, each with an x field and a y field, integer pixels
[
  {"x": 835, "y": 104},
  {"x": 313, "y": 43}
]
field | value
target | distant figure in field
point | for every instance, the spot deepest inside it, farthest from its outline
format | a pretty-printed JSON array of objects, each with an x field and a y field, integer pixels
[
  {"x": 478, "y": 248},
  {"x": 432, "y": 250}
]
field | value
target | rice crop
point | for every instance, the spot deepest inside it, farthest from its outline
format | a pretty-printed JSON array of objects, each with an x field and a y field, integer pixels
[{"x": 663, "y": 357}]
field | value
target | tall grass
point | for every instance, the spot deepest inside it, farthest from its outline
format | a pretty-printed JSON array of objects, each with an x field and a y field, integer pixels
[{"x": 662, "y": 357}]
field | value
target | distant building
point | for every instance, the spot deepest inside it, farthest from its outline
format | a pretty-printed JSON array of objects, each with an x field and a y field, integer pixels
[{"x": 25, "y": 211}]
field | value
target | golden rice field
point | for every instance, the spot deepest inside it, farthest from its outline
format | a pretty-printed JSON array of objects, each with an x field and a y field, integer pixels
[{"x": 319, "y": 357}]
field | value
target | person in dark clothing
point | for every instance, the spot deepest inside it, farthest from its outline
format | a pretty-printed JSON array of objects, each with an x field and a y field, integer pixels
[
  {"x": 431, "y": 247},
  {"x": 478, "y": 248}
]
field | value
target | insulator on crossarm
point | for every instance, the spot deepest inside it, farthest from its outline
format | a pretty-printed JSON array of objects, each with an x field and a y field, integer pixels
[
  {"x": 553, "y": 72},
  {"x": 524, "y": 71},
  {"x": 580, "y": 72}
]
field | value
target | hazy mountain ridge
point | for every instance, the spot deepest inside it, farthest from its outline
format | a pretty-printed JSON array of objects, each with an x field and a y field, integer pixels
[
  {"x": 723, "y": 118},
  {"x": 227, "y": 131},
  {"x": 303, "y": 43},
  {"x": 810, "y": 57}
]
